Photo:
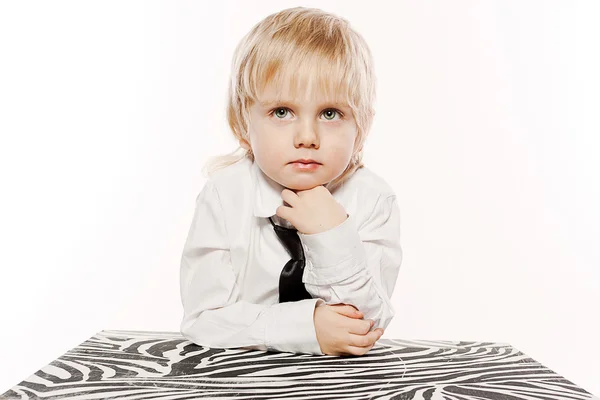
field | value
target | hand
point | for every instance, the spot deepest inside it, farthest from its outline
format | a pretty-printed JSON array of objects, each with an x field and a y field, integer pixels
[
  {"x": 342, "y": 332},
  {"x": 312, "y": 211}
]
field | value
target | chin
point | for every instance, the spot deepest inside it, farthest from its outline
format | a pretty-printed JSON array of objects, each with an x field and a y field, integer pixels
[{"x": 303, "y": 185}]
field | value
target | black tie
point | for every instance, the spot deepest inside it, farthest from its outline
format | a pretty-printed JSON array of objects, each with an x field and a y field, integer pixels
[{"x": 291, "y": 287}]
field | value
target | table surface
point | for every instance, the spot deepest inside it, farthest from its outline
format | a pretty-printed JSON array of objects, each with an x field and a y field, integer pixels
[{"x": 117, "y": 364}]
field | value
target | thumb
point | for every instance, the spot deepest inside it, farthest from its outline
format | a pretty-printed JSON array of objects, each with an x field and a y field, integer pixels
[{"x": 347, "y": 310}]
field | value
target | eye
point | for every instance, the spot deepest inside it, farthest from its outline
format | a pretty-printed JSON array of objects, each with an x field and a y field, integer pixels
[
  {"x": 330, "y": 113},
  {"x": 278, "y": 113}
]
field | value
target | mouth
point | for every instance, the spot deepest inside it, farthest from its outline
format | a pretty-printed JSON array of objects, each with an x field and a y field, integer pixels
[
  {"x": 305, "y": 161},
  {"x": 305, "y": 165}
]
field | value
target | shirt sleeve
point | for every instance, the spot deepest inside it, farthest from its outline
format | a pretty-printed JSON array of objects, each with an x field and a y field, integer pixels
[
  {"x": 213, "y": 316},
  {"x": 357, "y": 267}
]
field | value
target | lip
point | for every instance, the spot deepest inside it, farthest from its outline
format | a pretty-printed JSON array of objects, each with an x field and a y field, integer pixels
[
  {"x": 306, "y": 161},
  {"x": 305, "y": 166}
]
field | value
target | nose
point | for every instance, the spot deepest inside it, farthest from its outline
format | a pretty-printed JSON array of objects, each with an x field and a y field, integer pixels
[{"x": 306, "y": 136}]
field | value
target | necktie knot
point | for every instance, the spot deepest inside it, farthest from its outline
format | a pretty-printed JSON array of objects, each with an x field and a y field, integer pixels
[{"x": 290, "y": 240}]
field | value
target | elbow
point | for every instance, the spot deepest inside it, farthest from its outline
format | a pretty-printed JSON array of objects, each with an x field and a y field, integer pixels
[
  {"x": 192, "y": 331},
  {"x": 186, "y": 329},
  {"x": 199, "y": 331}
]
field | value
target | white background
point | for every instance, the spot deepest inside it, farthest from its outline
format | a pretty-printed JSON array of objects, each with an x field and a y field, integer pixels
[{"x": 487, "y": 127}]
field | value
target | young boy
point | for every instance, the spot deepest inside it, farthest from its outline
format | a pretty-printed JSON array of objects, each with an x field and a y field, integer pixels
[{"x": 300, "y": 105}]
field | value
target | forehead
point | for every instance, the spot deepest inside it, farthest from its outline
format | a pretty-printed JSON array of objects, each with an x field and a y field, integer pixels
[
  {"x": 313, "y": 79},
  {"x": 272, "y": 95}
]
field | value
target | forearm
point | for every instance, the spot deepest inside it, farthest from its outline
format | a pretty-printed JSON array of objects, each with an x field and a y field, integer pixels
[
  {"x": 285, "y": 327},
  {"x": 358, "y": 268},
  {"x": 359, "y": 290}
]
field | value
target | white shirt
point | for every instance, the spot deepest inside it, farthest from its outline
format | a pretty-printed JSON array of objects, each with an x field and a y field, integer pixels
[{"x": 232, "y": 260}]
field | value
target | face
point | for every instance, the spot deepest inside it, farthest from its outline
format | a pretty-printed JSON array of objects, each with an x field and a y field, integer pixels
[{"x": 282, "y": 132}]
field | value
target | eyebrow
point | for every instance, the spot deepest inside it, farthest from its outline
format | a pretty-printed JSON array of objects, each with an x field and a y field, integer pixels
[{"x": 271, "y": 103}]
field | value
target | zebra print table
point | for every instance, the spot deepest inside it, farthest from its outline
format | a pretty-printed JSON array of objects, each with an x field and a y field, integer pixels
[{"x": 163, "y": 365}]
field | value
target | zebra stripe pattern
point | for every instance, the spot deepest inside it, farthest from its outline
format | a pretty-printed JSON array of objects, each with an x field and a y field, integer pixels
[{"x": 164, "y": 365}]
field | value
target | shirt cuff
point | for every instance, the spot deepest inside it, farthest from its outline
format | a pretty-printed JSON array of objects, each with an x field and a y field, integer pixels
[
  {"x": 291, "y": 328},
  {"x": 334, "y": 255}
]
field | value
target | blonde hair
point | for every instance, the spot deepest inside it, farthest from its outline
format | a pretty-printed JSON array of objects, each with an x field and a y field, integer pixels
[{"x": 291, "y": 47}]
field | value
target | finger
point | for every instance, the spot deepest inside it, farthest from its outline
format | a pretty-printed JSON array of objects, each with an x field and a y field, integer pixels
[
  {"x": 289, "y": 197},
  {"x": 356, "y": 312},
  {"x": 359, "y": 351},
  {"x": 347, "y": 309},
  {"x": 283, "y": 212},
  {"x": 359, "y": 327},
  {"x": 321, "y": 188},
  {"x": 363, "y": 340},
  {"x": 354, "y": 307}
]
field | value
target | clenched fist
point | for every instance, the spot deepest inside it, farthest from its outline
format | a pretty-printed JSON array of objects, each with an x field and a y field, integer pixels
[
  {"x": 340, "y": 331},
  {"x": 311, "y": 211}
]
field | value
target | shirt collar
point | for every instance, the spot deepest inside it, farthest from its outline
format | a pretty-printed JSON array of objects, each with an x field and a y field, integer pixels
[{"x": 267, "y": 193}]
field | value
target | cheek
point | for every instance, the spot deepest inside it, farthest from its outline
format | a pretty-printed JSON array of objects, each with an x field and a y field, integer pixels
[
  {"x": 270, "y": 143},
  {"x": 342, "y": 141},
  {"x": 340, "y": 154},
  {"x": 267, "y": 148}
]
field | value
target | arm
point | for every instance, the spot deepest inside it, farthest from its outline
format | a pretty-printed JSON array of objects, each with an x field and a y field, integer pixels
[
  {"x": 212, "y": 315},
  {"x": 345, "y": 265}
]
